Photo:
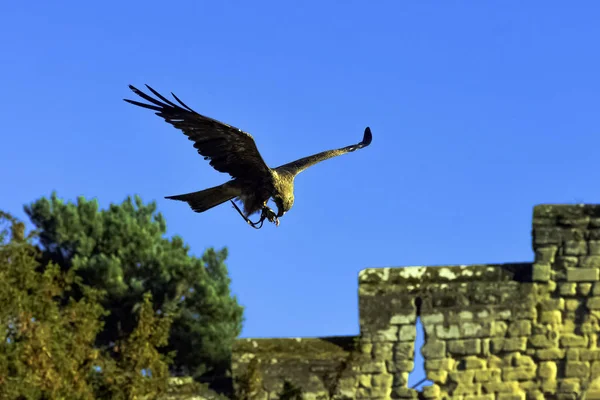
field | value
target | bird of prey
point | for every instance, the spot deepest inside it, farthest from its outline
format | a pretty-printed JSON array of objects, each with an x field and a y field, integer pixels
[{"x": 234, "y": 151}]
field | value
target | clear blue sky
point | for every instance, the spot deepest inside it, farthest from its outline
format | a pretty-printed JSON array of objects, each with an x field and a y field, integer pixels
[{"x": 479, "y": 111}]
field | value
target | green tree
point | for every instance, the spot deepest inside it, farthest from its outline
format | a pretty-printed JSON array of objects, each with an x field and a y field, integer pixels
[
  {"x": 137, "y": 369},
  {"x": 122, "y": 250},
  {"x": 47, "y": 346}
]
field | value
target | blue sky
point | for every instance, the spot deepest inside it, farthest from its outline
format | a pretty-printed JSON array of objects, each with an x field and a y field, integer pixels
[{"x": 479, "y": 111}]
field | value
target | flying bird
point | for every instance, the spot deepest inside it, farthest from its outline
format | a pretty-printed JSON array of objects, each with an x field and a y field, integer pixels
[{"x": 234, "y": 151}]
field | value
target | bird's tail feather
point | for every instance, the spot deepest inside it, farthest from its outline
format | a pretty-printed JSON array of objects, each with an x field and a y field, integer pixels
[{"x": 208, "y": 198}]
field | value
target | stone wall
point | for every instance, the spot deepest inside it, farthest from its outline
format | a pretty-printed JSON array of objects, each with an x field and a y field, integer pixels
[
  {"x": 508, "y": 331},
  {"x": 471, "y": 322}
]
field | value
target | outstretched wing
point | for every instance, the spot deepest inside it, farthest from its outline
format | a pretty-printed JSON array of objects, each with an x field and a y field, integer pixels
[
  {"x": 295, "y": 167},
  {"x": 229, "y": 149}
]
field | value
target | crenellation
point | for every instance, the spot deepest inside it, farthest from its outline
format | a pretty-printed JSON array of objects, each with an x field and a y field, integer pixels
[{"x": 499, "y": 331}]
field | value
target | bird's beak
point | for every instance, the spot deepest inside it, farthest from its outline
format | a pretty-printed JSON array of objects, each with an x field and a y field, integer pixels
[{"x": 280, "y": 213}]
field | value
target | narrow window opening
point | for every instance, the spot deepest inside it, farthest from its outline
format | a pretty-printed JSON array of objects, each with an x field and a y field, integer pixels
[{"x": 417, "y": 378}]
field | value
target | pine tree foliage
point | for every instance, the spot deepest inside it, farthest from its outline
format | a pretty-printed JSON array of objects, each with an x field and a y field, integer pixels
[
  {"x": 47, "y": 339},
  {"x": 123, "y": 251}
]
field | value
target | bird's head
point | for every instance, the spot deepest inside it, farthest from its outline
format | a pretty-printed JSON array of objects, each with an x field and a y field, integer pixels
[{"x": 284, "y": 204}]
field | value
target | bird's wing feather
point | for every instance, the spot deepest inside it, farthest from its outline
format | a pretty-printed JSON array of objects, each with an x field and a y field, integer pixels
[
  {"x": 295, "y": 167},
  {"x": 229, "y": 149}
]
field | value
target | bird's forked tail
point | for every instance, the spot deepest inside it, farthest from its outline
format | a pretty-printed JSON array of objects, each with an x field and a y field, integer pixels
[{"x": 208, "y": 198}]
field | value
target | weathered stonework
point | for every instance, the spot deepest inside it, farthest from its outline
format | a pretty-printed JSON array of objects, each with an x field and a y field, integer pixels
[{"x": 508, "y": 331}]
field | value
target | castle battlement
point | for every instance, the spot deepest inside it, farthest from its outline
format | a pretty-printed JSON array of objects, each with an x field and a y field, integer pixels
[{"x": 501, "y": 331}]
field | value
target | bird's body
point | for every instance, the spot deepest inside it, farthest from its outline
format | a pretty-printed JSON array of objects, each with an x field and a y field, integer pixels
[{"x": 231, "y": 150}]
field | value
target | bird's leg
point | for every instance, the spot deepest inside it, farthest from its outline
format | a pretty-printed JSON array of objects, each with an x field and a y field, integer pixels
[
  {"x": 255, "y": 225},
  {"x": 266, "y": 213}
]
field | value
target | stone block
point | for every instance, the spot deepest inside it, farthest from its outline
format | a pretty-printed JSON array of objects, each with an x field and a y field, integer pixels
[
  {"x": 552, "y": 304},
  {"x": 366, "y": 347},
  {"x": 498, "y": 345},
  {"x": 364, "y": 380},
  {"x": 582, "y": 274},
  {"x": 403, "y": 319},
  {"x": 542, "y": 272},
  {"x": 565, "y": 262},
  {"x": 572, "y": 340},
  {"x": 592, "y": 394},
  {"x": 488, "y": 375},
  {"x": 572, "y": 304},
  {"x": 584, "y": 289},
  {"x": 431, "y": 391},
  {"x": 574, "y": 234},
  {"x": 572, "y": 355},
  {"x": 499, "y": 328},
  {"x": 548, "y": 386},
  {"x": 528, "y": 386},
  {"x": 594, "y": 247},
  {"x": 465, "y": 315},
  {"x": 400, "y": 378},
  {"x": 434, "y": 349},
  {"x": 404, "y": 351},
  {"x": 595, "y": 370},
  {"x": 387, "y": 335},
  {"x": 551, "y": 317},
  {"x": 575, "y": 247},
  {"x": 589, "y": 327},
  {"x": 407, "y": 333},
  {"x": 346, "y": 385},
  {"x": 404, "y": 393},
  {"x": 432, "y": 319},
  {"x": 547, "y": 370},
  {"x": 519, "y": 373},
  {"x": 541, "y": 341},
  {"x": 590, "y": 355},
  {"x": 382, "y": 382},
  {"x": 471, "y": 329},
  {"x": 501, "y": 387},
  {"x": 437, "y": 376},
  {"x": 473, "y": 363},
  {"x": 467, "y": 390},
  {"x": 511, "y": 396},
  {"x": 449, "y": 332},
  {"x": 519, "y": 360},
  {"x": 589, "y": 262},
  {"x": 444, "y": 363},
  {"x": 495, "y": 361},
  {"x": 577, "y": 369},
  {"x": 382, "y": 351},
  {"x": 503, "y": 314},
  {"x": 545, "y": 254},
  {"x": 462, "y": 377},
  {"x": 377, "y": 367},
  {"x": 535, "y": 395},
  {"x": 550, "y": 354},
  {"x": 593, "y": 303},
  {"x": 519, "y": 328},
  {"x": 567, "y": 289},
  {"x": 464, "y": 347},
  {"x": 547, "y": 236},
  {"x": 569, "y": 386},
  {"x": 406, "y": 365}
]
